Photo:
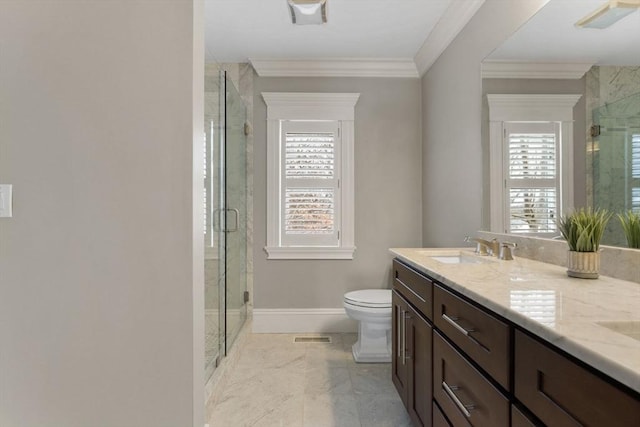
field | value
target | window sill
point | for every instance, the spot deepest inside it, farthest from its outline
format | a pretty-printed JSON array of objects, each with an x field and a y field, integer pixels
[{"x": 309, "y": 252}]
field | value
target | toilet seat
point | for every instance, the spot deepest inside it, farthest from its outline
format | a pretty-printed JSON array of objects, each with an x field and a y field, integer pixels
[{"x": 369, "y": 298}]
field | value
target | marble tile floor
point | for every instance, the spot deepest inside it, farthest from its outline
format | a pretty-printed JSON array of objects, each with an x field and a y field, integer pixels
[{"x": 279, "y": 383}]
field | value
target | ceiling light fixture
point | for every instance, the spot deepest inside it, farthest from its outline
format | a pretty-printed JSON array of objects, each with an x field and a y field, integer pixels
[
  {"x": 308, "y": 12},
  {"x": 609, "y": 13}
]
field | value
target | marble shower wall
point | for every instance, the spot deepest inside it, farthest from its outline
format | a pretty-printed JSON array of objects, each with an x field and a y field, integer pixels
[
  {"x": 607, "y": 86},
  {"x": 609, "y": 93}
]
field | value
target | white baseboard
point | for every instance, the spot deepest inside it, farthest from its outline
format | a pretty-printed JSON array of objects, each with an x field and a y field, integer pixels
[{"x": 302, "y": 320}]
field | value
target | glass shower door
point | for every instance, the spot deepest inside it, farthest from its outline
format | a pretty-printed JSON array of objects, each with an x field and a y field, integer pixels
[
  {"x": 616, "y": 161},
  {"x": 225, "y": 213},
  {"x": 235, "y": 176},
  {"x": 214, "y": 246}
]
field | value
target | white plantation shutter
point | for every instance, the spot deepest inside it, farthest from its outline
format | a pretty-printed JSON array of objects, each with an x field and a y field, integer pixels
[
  {"x": 532, "y": 184},
  {"x": 310, "y": 192}
]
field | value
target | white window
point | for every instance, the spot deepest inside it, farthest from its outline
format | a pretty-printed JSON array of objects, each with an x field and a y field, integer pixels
[
  {"x": 532, "y": 184},
  {"x": 310, "y": 196},
  {"x": 531, "y": 161}
]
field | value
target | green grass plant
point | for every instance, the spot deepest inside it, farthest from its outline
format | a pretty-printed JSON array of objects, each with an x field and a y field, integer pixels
[
  {"x": 631, "y": 225},
  {"x": 583, "y": 229}
]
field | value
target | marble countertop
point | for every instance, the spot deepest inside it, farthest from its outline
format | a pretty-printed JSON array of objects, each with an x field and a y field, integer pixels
[{"x": 576, "y": 315}]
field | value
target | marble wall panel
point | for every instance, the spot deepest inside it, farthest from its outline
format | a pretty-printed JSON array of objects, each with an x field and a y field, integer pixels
[{"x": 613, "y": 96}]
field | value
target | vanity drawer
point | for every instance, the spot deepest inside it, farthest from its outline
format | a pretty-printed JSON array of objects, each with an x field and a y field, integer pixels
[
  {"x": 562, "y": 393},
  {"x": 484, "y": 338},
  {"x": 414, "y": 287},
  {"x": 439, "y": 419},
  {"x": 465, "y": 396}
]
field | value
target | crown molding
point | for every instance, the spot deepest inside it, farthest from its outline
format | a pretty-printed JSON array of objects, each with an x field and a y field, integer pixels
[
  {"x": 336, "y": 67},
  {"x": 533, "y": 70},
  {"x": 450, "y": 24}
]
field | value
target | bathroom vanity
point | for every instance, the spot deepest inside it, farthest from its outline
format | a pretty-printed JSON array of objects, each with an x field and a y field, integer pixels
[{"x": 479, "y": 341}]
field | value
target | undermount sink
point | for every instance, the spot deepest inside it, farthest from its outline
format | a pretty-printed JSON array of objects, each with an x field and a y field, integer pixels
[
  {"x": 628, "y": 328},
  {"x": 456, "y": 257}
]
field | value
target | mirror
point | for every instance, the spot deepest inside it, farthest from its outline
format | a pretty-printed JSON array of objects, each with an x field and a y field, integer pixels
[{"x": 603, "y": 65}]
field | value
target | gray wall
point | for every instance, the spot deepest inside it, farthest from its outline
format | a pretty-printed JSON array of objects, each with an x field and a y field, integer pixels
[
  {"x": 451, "y": 132},
  {"x": 388, "y": 187},
  {"x": 540, "y": 86},
  {"x": 98, "y": 270}
]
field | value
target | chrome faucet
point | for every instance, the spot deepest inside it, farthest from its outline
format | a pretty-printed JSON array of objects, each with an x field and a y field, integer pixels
[
  {"x": 506, "y": 251},
  {"x": 485, "y": 247}
]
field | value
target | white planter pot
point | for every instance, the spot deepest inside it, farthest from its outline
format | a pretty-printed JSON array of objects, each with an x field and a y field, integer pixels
[{"x": 584, "y": 265}]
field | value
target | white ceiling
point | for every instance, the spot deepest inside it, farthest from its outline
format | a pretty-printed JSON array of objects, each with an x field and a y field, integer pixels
[
  {"x": 551, "y": 36},
  {"x": 237, "y": 30}
]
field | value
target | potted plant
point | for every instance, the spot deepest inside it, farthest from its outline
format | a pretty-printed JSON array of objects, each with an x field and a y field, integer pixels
[
  {"x": 583, "y": 231},
  {"x": 631, "y": 225}
]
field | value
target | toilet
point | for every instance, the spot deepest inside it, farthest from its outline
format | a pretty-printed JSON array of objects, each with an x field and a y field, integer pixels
[{"x": 372, "y": 309}]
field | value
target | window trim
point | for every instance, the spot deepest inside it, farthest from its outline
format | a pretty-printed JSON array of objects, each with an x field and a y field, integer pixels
[
  {"x": 310, "y": 106},
  {"x": 528, "y": 108}
]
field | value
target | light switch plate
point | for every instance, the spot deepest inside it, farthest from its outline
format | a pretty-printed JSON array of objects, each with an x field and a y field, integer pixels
[{"x": 6, "y": 200}]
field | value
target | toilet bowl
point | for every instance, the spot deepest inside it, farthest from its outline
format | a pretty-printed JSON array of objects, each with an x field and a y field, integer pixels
[{"x": 372, "y": 309}]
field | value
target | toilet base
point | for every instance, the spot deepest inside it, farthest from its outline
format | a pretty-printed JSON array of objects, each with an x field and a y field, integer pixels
[
  {"x": 362, "y": 357},
  {"x": 373, "y": 345}
]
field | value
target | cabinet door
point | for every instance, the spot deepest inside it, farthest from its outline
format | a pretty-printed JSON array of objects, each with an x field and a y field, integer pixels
[
  {"x": 419, "y": 358},
  {"x": 519, "y": 419},
  {"x": 399, "y": 365},
  {"x": 561, "y": 393}
]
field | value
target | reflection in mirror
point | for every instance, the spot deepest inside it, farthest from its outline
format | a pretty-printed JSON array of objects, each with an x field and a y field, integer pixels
[
  {"x": 551, "y": 55},
  {"x": 615, "y": 155}
]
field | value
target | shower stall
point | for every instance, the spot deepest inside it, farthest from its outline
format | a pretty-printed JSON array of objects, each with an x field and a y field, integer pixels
[
  {"x": 225, "y": 195},
  {"x": 615, "y": 157}
]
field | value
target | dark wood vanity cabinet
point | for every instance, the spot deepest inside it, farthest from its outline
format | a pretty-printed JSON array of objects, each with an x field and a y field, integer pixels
[
  {"x": 561, "y": 393},
  {"x": 412, "y": 346},
  {"x": 456, "y": 363},
  {"x": 439, "y": 419},
  {"x": 465, "y": 395},
  {"x": 519, "y": 419},
  {"x": 467, "y": 339},
  {"x": 483, "y": 337},
  {"x": 414, "y": 287},
  {"x": 399, "y": 367}
]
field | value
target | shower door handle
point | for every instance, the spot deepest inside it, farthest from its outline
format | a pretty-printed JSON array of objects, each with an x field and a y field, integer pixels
[
  {"x": 217, "y": 220},
  {"x": 237, "y": 215}
]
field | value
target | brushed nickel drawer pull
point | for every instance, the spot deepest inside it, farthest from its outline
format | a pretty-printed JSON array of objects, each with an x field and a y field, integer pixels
[
  {"x": 399, "y": 331},
  {"x": 464, "y": 331},
  {"x": 455, "y": 324},
  {"x": 405, "y": 354},
  {"x": 411, "y": 290},
  {"x": 404, "y": 333},
  {"x": 463, "y": 408}
]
